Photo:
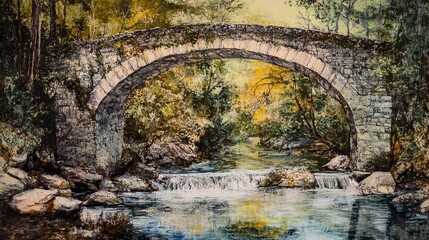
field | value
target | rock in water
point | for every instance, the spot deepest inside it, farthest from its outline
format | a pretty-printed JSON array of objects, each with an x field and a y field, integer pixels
[
  {"x": 297, "y": 177},
  {"x": 338, "y": 163},
  {"x": 9, "y": 185},
  {"x": 63, "y": 204},
  {"x": 411, "y": 199},
  {"x": 55, "y": 182},
  {"x": 34, "y": 201},
  {"x": 378, "y": 183},
  {"x": 424, "y": 207},
  {"x": 129, "y": 183},
  {"x": 104, "y": 198}
]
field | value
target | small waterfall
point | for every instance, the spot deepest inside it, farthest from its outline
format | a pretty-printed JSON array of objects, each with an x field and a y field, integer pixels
[
  {"x": 213, "y": 181},
  {"x": 335, "y": 181},
  {"x": 244, "y": 180}
]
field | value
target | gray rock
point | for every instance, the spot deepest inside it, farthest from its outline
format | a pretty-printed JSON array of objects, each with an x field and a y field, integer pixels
[
  {"x": 35, "y": 201},
  {"x": 297, "y": 177},
  {"x": 414, "y": 198},
  {"x": 338, "y": 163},
  {"x": 85, "y": 177},
  {"x": 2, "y": 163},
  {"x": 104, "y": 198},
  {"x": 424, "y": 207},
  {"x": 129, "y": 183},
  {"x": 65, "y": 193},
  {"x": 359, "y": 176},
  {"x": 62, "y": 204},
  {"x": 378, "y": 183},
  {"x": 401, "y": 169},
  {"x": 18, "y": 174},
  {"x": 18, "y": 161},
  {"x": 9, "y": 185},
  {"x": 55, "y": 182}
]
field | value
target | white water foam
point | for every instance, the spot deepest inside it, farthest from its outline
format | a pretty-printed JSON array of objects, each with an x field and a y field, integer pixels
[{"x": 245, "y": 181}]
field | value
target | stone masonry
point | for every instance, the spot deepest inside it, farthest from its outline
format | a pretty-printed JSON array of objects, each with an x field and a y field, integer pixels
[{"x": 90, "y": 136}]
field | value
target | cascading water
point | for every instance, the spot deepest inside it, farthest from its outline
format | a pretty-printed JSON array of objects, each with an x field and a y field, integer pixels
[
  {"x": 245, "y": 180},
  {"x": 213, "y": 181},
  {"x": 335, "y": 181}
]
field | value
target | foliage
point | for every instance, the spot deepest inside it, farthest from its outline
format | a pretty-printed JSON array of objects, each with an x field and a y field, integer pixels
[
  {"x": 160, "y": 111},
  {"x": 285, "y": 105},
  {"x": 182, "y": 106}
]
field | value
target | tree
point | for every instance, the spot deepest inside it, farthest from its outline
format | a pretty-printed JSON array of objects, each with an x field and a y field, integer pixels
[
  {"x": 53, "y": 19},
  {"x": 35, "y": 43}
]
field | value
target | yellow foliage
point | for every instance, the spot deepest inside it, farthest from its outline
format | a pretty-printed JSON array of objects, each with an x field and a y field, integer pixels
[{"x": 264, "y": 92}]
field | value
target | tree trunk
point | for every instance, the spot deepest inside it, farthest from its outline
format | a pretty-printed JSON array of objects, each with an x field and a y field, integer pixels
[
  {"x": 34, "y": 58},
  {"x": 20, "y": 57},
  {"x": 53, "y": 19}
]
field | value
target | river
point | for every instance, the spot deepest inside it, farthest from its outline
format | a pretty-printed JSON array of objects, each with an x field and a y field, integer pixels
[{"x": 220, "y": 200}]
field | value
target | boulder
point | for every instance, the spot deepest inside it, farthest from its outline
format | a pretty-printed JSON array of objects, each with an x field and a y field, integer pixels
[
  {"x": 378, "y": 183},
  {"x": 171, "y": 153},
  {"x": 401, "y": 169},
  {"x": 129, "y": 183},
  {"x": 424, "y": 207},
  {"x": 338, "y": 163},
  {"x": 53, "y": 181},
  {"x": 18, "y": 174},
  {"x": 65, "y": 193},
  {"x": 412, "y": 199},
  {"x": 18, "y": 161},
  {"x": 35, "y": 201},
  {"x": 2, "y": 163},
  {"x": 104, "y": 198},
  {"x": 359, "y": 176},
  {"x": 63, "y": 204},
  {"x": 297, "y": 177},
  {"x": 87, "y": 179},
  {"x": 9, "y": 185}
]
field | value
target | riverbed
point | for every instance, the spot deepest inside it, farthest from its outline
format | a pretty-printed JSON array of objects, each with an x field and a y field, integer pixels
[{"x": 220, "y": 199}]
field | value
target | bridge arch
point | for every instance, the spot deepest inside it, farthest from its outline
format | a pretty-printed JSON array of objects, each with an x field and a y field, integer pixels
[{"x": 339, "y": 64}]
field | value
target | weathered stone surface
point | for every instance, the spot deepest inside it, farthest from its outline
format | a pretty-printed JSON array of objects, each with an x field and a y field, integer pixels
[
  {"x": 129, "y": 183},
  {"x": 104, "y": 198},
  {"x": 2, "y": 162},
  {"x": 297, "y": 177},
  {"x": 414, "y": 198},
  {"x": 35, "y": 201},
  {"x": 18, "y": 174},
  {"x": 378, "y": 183},
  {"x": 65, "y": 192},
  {"x": 338, "y": 163},
  {"x": 167, "y": 154},
  {"x": 359, "y": 176},
  {"x": 424, "y": 207},
  {"x": 55, "y": 182},
  {"x": 62, "y": 204},
  {"x": 18, "y": 161},
  {"x": 9, "y": 185},
  {"x": 88, "y": 178}
]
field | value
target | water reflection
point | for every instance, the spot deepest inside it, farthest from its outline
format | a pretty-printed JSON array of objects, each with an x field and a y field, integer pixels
[{"x": 273, "y": 213}]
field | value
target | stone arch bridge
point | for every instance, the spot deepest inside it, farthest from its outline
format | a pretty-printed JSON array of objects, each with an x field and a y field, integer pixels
[{"x": 99, "y": 75}]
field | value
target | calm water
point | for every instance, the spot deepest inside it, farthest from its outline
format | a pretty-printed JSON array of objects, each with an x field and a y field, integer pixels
[{"x": 221, "y": 200}]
